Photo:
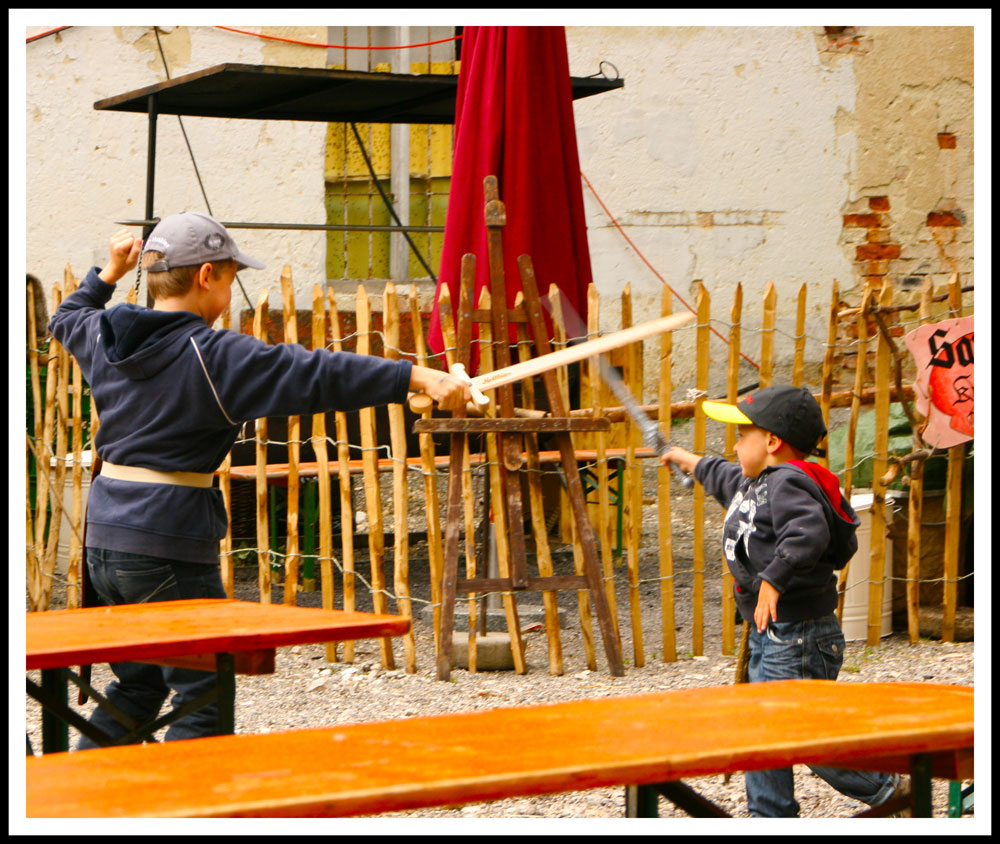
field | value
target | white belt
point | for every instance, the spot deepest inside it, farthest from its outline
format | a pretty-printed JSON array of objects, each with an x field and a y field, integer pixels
[{"x": 151, "y": 476}]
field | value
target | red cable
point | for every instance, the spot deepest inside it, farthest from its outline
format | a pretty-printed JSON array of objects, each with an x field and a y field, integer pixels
[
  {"x": 43, "y": 34},
  {"x": 653, "y": 269},
  {"x": 336, "y": 46}
]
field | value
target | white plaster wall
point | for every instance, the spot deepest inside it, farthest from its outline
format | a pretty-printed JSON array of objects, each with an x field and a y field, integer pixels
[
  {"x": 738, "y": 122},
  {"x": 86, "y": 169}
]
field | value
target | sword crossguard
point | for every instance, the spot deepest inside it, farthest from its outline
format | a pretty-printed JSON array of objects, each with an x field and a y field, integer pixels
[{"x": 458, "y": 370}]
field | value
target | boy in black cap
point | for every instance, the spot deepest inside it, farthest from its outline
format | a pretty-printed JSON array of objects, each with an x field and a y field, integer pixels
[
  {"x": 787, "y": 529},
  {"x": 173, "y": 395}
]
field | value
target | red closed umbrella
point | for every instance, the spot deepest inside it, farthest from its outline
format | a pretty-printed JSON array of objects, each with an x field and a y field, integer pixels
[{"x": 514, "y": 120}]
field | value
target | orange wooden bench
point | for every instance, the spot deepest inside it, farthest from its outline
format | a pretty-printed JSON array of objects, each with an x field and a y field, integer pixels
[
  {"x": 647, "y": 742},
  {"x": 211, "y": 634}
]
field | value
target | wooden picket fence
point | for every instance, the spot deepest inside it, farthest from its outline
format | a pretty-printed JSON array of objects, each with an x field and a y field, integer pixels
[{"x": 862, "y": 365}]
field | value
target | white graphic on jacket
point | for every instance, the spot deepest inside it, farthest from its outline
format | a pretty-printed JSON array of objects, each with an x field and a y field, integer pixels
[{"x": 745, "y": 504}]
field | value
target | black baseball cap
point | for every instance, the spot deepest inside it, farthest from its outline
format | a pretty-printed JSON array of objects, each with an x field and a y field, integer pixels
[{"x": 791, "y": 413}]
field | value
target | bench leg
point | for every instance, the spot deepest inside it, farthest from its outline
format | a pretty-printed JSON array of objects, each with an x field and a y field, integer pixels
[
  {"x": 641, "y": 801},
  {"x": 57, "y": 716},
  {"x": 920, "y": 781},
  {"x": 55, "y": 731},
  {"x": 226, "y": 707}
]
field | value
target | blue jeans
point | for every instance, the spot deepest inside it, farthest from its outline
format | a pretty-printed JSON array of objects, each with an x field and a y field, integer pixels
[
  {"x": 791, "y": 650},
  {"x": 140, "y": 689}
]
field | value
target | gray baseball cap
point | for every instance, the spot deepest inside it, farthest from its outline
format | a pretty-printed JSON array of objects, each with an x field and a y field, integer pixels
[{"x": 189, "y": 239}]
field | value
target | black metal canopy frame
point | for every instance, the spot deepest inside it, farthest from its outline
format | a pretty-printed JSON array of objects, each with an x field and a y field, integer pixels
[{"x": 269, "y": 92}]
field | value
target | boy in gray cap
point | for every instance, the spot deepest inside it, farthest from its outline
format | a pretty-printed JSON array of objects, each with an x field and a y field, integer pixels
[
  {"x": 787, "y": 529},
  {"x": 173, "y": 395}
]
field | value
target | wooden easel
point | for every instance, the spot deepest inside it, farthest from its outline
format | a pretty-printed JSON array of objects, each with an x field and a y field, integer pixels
[{"x": 509, "y": 430}]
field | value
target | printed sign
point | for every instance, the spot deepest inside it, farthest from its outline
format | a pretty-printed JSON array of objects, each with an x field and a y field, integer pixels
[{"x": 945, "y": 358}]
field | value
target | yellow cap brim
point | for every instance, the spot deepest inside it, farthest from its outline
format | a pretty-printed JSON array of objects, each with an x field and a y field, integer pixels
[{"x": 726, "y": 413}]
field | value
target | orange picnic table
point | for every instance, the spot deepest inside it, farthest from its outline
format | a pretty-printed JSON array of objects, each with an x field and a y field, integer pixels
[
  {"x": 649, "y": 743},
  {"x": 223, "y": 635}
]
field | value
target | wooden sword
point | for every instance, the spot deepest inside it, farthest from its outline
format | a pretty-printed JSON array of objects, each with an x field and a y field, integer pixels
[{"x": 570, "y": 354}]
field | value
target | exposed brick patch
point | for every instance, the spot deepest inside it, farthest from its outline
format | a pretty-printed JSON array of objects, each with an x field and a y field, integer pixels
[
  {"x": 943, "y": 218},
  {"x": 870, "y": 221},
  {"x": 946, "y": 140},
  {"x": 878, "y": 251},
  {"x": 875, "y": 268},
  {"x": 878, "y": 203}
]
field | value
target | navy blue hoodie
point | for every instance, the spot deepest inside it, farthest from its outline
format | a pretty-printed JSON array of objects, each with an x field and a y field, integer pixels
[
  {"x": 172, "y": 394},
  {"x": 790, "y": 526}
]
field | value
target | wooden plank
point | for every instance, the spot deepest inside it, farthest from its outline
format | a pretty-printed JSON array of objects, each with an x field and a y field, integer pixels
[
  {"x": 451, "y": 351},
  {"x": 502, "y": 516},
  {"x": 668, "y": 621},
  {"x": 916, "y": 504},
  {"x": 632, "y": 493},
  {"x": 768, "y": 320},
  {"x": 534, "y": 584},
  {"x": 510, "y": 445},
  {"x": 397, "y": 434},
  {"x": 515, "y": 315},
  {"x": 829, "y": 356},
  {"x": 43, "y": 455},
  {"x": 953, "y": 503},
  {"x": 36, "y": 431},
  {"x": 601, "y": 393},
  {"x": 559, "y": 344},
  {"x": 880, "y": 463},
  {"x": 798, "y": 364},
  {"x": 291, "y": 582},
  {"x": 373, "y": 495},
  {"x": 429, "y": 474},
  {"x": 343, "y": 466},
  {"x": 860, "y": 374},
  {"x": 226, "y": 488},
  {"x": 260, "y": 453},
  {"x": 703, "y": 306},
  {"x": 411, "y": 763},
  {"x": 57, "y": 490},
  {"x": 463, "y": 355},
  {"x": 539, "y": 528},
  {"x": 320, "y": 449},
  {"x": 75, "y": 556},
  {"x": 567, "y": 528},
  {"x": 506, "y": 424},
  {"x": 251, "y": 663},
  {"x": 59, "y": 638},
  {"x": 732, "y": 390}
]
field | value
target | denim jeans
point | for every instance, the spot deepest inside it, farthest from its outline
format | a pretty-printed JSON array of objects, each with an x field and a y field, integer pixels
[
  {"x": 141, "y": 689},
  {"x": 791, "y": 650}
]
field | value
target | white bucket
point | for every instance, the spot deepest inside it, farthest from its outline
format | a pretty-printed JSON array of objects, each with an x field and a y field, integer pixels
[
  {"x": 855, "y": 619},
  {"x": 65, "y": 531}
]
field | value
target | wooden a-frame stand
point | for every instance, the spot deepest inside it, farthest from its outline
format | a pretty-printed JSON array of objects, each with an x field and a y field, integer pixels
[{"x": 509, "y": 430}]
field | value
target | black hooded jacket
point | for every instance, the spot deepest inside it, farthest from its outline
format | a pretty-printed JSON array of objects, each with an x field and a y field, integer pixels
[
  {"x": 790, "y": 526},
  {"x": 172, "y": 394}
]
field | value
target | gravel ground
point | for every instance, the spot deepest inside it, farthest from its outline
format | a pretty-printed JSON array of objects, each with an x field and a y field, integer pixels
[{"x": 306, "y": 690}]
